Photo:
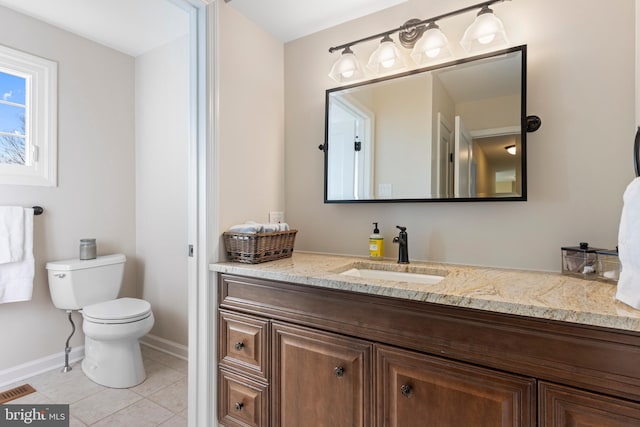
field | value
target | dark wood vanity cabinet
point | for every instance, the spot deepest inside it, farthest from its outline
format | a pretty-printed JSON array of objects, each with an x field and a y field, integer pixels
[{"x": 295, "y": 355}]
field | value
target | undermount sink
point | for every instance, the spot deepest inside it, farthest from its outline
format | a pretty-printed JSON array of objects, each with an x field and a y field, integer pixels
[{"x": 398, "y": 276}]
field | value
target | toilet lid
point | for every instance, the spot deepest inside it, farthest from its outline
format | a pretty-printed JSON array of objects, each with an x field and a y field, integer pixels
[{"x": 119, "y": 310}]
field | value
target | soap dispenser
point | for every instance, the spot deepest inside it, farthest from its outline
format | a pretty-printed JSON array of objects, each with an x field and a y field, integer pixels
[{"x": 376, "y": 243}]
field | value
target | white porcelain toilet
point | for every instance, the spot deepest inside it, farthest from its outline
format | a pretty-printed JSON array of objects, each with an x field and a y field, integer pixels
[{"x": 112, "y": 327}]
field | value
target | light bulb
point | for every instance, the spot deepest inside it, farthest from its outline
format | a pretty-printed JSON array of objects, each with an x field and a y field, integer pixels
[
  {"x": 432, "y": 53},
  {"x": 486, "y": 39},
  {"x": 388, "y": 63},
  {"x": 347, "y": 74}
]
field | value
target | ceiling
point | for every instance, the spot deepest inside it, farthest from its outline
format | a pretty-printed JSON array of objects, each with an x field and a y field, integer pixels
[
  {"x": 130, "y": 26},
  {"x": 137, "y": 26},
  {"x": 291, "y": 19}
]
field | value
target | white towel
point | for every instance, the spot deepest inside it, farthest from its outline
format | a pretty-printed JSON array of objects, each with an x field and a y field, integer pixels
[
  {"x": 254, "y": 227},
  {"x": 245, "y": 228},
  {"x": 629, "y": 247},
  {"x": 11, "y": 234},
  {"x": 16, "y": 278}
]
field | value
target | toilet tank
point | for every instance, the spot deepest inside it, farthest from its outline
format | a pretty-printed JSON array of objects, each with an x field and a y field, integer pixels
[{"x": 75, "y": 283}]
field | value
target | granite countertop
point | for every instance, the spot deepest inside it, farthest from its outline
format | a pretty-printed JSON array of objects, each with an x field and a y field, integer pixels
[{"x": 526, "y": 293}]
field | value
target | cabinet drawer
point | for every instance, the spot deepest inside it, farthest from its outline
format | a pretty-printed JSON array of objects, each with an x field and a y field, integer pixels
[
  {"x": 241, "y": 402},
  {"x": 561, "y": 406},
  {"x": 244, "y": 344}
]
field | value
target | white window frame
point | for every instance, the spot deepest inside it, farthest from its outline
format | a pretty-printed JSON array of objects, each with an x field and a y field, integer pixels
[{"x": 41, "y": 119}]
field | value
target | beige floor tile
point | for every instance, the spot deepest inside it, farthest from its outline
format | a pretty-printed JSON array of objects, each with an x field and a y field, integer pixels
[
  {"x": 32, "y": 399},
  {"x": 172, "y": 397},
  {"x": 158, "y": 376},
  {"x": 70, "y": 391},
  {"x": 143, "y": 413},
  {"x": 74, "y": 422},
  {"x": 91, "y": 403},
  {"x": 55, "y": 377},
  {"x": 103, "y": 404},
  {"x": 173, "y": 362},
  {"x": 175, "y": 421}
]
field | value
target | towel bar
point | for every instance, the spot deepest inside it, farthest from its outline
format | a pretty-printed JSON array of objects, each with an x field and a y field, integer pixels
[{"x": 38, "y": 210}]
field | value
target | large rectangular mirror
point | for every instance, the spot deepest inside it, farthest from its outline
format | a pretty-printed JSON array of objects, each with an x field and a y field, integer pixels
[{"x": 453, "y": 132}]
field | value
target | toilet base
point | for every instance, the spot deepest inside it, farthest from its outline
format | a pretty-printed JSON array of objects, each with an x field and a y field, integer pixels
[
  {"x": 112, "y": 355},
  {"x": 113, "y": 364}
]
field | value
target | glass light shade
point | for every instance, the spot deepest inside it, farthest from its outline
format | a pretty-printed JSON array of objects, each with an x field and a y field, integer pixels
[
  {"x": 346, "y": 68},
  {"x": 432, "y": 46},
  {"x": 386, "y": 57},
  {"x": 486, "y": 32}
]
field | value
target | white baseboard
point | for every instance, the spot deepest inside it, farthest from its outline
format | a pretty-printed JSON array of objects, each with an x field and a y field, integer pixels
[
  {"x": 56, "y": 361},
  {"x": 38, "y": 366},
  {"x": 166, "y": 346}
]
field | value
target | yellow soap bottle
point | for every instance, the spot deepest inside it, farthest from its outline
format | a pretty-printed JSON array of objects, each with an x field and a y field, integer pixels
[{"x": 376, "y": 243}]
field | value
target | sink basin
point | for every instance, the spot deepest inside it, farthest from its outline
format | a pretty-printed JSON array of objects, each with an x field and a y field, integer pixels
[{"x": 398, "y": 276}]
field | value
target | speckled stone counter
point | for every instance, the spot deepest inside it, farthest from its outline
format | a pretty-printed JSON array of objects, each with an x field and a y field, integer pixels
[{"x": 526, "y": 293}]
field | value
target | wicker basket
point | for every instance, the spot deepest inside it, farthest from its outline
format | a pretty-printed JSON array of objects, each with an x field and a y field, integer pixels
[{"x": 254, "y": 248}]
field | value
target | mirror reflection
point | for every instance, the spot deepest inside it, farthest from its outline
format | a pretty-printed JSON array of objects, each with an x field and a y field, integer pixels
[{"x": 449, "y": 133}]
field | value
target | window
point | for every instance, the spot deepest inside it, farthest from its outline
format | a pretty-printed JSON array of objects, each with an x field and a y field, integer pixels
[{"x": 28, "y": 119}]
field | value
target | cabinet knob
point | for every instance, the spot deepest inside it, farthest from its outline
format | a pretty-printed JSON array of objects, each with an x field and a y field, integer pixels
[
  {"x": 406, "y": 390},
  {"x": 239, "y": 345},
  {"x": 238, "y": 406},
  {"x": 339, "y": 371}
]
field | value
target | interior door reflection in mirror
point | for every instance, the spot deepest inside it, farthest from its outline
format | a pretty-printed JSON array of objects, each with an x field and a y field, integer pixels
[{"x": 449, "y": 133}]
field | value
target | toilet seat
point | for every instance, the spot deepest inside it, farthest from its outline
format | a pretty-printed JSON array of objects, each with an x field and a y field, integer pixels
[{"x": 121, "y": 310}]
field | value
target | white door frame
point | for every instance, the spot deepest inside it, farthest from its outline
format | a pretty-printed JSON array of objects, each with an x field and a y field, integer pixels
[
  {"x": 440, "y": 186},
  {"x": 368, "y": 143},
  {"x": 201, "y": 217}
]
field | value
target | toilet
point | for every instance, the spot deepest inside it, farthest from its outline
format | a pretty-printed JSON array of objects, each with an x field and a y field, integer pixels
[{"x": 112, "y": 326}]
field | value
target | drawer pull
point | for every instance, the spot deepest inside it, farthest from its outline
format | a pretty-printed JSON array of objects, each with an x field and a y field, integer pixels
[
  {"x": 238, "y": 406},
  {"x": 406, "y": 390},
  {"x": 239, "y": 345},
  {"x": 339, "y": 371}
]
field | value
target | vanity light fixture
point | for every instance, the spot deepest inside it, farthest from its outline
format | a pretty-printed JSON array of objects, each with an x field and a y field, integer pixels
[
  {"x": 486, "y": 31},
  {"x": 511, "y": 149},
  {"x": 386, "y": 57},
  {"x": 428, "y": 43},
  {"x": 347, "y": 67},
  {"x": 432, "y": 45}
]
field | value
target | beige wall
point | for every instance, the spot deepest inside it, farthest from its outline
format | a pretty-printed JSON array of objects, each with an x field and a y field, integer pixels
[
  {"x": 162, "y": 143},
  {"x": 250, "y": 160},
  {"x": 580, "y": 82},
  {"x": 95, "y": 196}
]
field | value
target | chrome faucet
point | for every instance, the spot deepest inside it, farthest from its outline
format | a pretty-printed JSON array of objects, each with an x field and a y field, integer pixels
[{"x": 403, "y": 241}]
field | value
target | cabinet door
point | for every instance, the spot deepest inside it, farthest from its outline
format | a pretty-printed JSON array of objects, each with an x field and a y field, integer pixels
[
  {"x": 562, "y": 406},
  {"x": 319, "y": 379},
  {"x": 413, "y": 389}
]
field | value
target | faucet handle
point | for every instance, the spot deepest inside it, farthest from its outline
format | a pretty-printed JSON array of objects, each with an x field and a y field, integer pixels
[{"x": 401, "y": 228}]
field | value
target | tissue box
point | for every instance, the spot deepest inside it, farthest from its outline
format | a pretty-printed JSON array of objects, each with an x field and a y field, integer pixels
[
  {"x": 608, "y": 265},
  {"x": 580, "y": 261}
]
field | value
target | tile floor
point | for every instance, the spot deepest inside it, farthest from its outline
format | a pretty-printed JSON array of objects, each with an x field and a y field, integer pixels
[{"x": 161, "y": 400}]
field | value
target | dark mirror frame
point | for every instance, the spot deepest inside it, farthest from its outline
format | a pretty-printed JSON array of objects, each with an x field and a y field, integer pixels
[{"x": 523, "y": 132}]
